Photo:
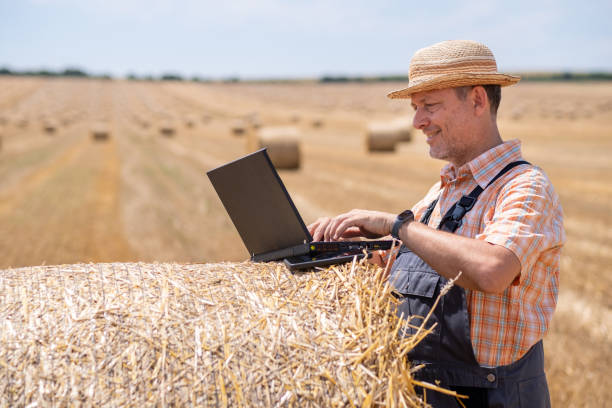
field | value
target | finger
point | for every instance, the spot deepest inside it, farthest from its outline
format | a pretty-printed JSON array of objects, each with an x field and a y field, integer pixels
[
  {"x": 343, "y": 225},
  {"x": 318, "y": 228},
  {"x": 327, "y": 231},
  {"x": 352, "y": 232},
  {"x": 312, "y": 227},
  {"x": 331, "y": 228}
]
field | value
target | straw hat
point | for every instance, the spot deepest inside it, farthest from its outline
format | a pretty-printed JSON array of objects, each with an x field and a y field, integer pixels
[{"x": 450, "y": 64}]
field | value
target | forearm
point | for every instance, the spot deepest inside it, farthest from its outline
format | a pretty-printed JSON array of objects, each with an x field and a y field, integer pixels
[{"x": 484, "y": 266}]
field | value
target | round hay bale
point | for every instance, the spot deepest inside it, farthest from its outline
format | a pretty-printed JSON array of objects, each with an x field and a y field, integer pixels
[
  {"x": 404, "y": 129},
  {"x": 202, "y": 334},
  {"x": 317, "y": 123},
  {"x": 206, "y": 118},
  {"x": 239, "y": 128},
  {"x": 253, "y": 120},
  {"x": 143, "y": 122},
  {"x": 381, "y": 137},
  {"x": 190, "y": 122},
  {"x": 283, "y": 146},
  {"x": 516, "y": 114},
  {"x": 167, "y": 130},
  {"x": 100, "y": 132},
  {"x": 50, "y": 128}
]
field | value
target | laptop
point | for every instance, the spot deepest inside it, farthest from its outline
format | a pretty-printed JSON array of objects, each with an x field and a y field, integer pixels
[{"x": 268, "y": 222}]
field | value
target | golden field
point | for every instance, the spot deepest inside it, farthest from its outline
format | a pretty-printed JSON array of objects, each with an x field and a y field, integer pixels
[{"x": 139, "y": 195}]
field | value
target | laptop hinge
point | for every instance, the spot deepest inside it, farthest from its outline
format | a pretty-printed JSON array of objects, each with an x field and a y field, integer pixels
[{"x": 300, "y": 249}]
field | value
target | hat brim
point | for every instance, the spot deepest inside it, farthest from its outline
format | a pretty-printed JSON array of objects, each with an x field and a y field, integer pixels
[{"x": 453, "y": 81}]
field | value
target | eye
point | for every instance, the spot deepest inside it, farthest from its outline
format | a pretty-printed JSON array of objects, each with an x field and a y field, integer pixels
[{"x": 430, "y": 107}]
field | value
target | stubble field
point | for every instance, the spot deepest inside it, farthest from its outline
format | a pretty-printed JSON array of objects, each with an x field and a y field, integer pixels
[{"x": 143, "y": 196}]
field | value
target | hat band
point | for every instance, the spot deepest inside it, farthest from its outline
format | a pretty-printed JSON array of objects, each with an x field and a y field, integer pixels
[{"x": 465, "y": 66}]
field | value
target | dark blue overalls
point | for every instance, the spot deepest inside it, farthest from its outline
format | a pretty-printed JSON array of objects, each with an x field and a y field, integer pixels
[{"x": 447, "y": 352}]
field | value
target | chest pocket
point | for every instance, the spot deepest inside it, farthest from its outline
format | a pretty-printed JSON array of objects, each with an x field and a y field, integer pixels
[{"x": 416, "y": 286}]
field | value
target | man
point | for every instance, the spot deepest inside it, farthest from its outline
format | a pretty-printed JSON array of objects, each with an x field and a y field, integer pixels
[{"x": 493, "y": 217}]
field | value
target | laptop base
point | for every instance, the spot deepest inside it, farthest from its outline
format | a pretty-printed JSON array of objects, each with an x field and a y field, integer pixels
[{"x": 302, "y": 262}]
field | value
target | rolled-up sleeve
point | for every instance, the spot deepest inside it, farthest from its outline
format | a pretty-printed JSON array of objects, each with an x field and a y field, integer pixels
[{"x": 527, "y": 219}]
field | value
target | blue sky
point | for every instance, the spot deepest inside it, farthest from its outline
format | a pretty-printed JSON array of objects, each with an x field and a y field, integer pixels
[{"x": 296, "y": 38}]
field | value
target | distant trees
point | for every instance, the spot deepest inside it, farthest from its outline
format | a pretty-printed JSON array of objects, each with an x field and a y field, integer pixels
[
  {"x": 73, "y": 72},
  {"x": 67, "y": 72}
]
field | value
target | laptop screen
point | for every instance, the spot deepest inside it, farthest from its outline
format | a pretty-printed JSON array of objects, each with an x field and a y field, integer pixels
[{"x": 258, "y": 204}]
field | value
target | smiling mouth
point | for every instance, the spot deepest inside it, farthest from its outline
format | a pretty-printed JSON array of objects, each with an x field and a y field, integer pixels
[{"x": 430, "y": 136}]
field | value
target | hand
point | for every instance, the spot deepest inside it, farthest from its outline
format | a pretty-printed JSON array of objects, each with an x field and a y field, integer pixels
[{"x": 355, "y": 223}]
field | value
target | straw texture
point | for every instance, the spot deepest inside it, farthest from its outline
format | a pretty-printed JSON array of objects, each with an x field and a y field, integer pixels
[
  {"x": 450, "y": 64},
  {"x": 229, "y": 334}
]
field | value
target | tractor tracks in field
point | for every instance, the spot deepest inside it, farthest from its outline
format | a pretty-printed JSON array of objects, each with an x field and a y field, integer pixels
[
  {"x": 70, "y": 202},
  {"x": 21, "y": 190},
  {"x": 108, "y": 241}
]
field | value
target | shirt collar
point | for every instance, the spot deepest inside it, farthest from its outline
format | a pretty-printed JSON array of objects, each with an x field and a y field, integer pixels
[{"x": 486, "y": 166}]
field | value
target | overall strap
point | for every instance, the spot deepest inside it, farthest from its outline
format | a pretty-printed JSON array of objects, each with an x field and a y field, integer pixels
[
  {"x": 453, "y": 217},
  {"x": 427, "y": 214}
]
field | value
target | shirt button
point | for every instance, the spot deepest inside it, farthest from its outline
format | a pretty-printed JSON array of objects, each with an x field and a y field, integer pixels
[{"x": 491, "y": 377}]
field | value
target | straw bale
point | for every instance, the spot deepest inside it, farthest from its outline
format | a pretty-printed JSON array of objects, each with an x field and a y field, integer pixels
[
  {"x": 404, "y": 129},
  {"x": 317, "y": 123},
  {"x": 283, "y": 146},
  {"x": 21, "y": 122},
  {"x": 49, "y": 128},
  {"x": 253, "y": 120},
  {"x": 100, "y": 132},
  {"x": 239, "y": 127},
  {"x": 190, "y": 121},
  {"x": 167, "y": 129},
  {"x": 226, "y": 334},
  {"x": 381, "y": 137}
]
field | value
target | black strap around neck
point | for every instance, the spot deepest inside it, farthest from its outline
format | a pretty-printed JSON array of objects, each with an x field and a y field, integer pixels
[{"x": 453, "y": 217}]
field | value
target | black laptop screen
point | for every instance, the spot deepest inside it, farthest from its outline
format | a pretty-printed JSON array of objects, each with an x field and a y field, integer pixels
[{"x": 258, "y": 204}]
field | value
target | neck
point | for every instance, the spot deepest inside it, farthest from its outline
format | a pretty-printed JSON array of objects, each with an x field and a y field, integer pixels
[{"x": 483, "y": 138}]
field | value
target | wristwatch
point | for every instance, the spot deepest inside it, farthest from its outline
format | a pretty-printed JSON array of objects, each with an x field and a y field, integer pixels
[{"x": 402, "y": 218}]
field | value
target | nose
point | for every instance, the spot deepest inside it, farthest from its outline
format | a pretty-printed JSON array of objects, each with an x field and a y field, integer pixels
[{"x": 420, "y": 120}]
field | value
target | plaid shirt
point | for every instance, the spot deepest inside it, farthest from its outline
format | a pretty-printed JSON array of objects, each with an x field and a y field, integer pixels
[{"x": 520, "y": 211}]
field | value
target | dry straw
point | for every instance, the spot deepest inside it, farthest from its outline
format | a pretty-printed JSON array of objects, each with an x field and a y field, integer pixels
[
  {"x": 167, "y": 129},
  {"x": 100, "y": 132},
  {"x": 229, "y": 334},
  {"x": 49, "y": 127},
  {"x": 403, "y": 128},
  {"x": 283, "y": 144},
  {"x": 381, "y": 137},
  {"x": 238, "y": 127}
]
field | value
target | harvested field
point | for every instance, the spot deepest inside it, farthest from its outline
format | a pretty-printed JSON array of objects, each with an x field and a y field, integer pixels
[{"x": 142, "y": 197}]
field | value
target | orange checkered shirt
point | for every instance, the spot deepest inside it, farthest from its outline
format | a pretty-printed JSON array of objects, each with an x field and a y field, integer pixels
[{"x": 520, "y": 211}]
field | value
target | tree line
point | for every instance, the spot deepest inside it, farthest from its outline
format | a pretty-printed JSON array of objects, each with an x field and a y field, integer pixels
[{"x": 79, "y": 73}]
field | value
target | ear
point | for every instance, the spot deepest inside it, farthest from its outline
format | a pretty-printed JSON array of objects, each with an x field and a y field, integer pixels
[{"x": 480, "y": 100}]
